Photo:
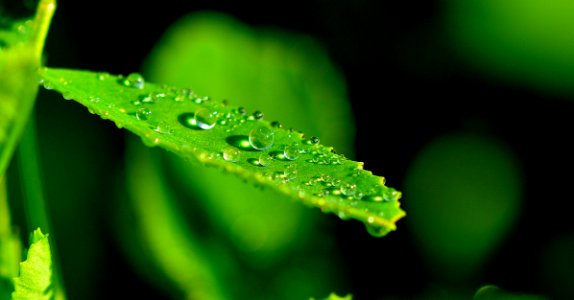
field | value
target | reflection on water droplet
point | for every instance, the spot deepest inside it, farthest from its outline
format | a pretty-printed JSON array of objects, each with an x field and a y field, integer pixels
[
  {"x": 314, "y": 140},
  {"x": 134, "y": 80},
  {"x": 276, "y": 124},
  {"x": 143, "y": 114},
  {"x": 261, "y": 137},
  {"x": 205, "y": 118},
  {"x": 231, "y": 154},
  {"x": 292, "y": 152}
]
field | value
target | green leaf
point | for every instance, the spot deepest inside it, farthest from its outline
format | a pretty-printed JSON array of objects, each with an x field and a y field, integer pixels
[
  {"x": 252, "y": 65},
  {"x": 35, "y": 280},
  {"x": 212, "y": 133},
  {"x": 20, "y": 52}
]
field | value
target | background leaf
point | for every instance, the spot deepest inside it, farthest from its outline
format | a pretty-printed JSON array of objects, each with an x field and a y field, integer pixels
[{"x": 35, "y": 279}]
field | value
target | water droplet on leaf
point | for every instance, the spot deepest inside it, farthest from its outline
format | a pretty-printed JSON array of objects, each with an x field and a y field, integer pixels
[
  {"x": 143, "y": 114},
  {"x": 231, "y": 154},
  {"x": 205, "y": 118},
  {"x": 134, "y": 80},
  {"x": 264, "y": 159},
  {"x": 292, "y": 152},
  {"x": 261, "y": 137}
]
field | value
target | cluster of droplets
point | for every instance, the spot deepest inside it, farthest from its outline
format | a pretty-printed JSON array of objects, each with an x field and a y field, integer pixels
[
  {"x": 261, "y": 138},
  {"x": 323, "y": 156}
]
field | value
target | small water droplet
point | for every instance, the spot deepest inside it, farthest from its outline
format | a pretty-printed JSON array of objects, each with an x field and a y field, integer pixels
[
  {"x": 67, "y": 96},
  {"x": 205, "y": 118},
  {"x": 143, "y": 114},
  {"x": 376, "y": 230},
  {"x": 163, "y": 128},
  {"x": 264, "y": 159},
  {"x": 258, "y": 115},
  {"x": 343, "y": 215},
  {"x": 390, "y": 194},
  {"x": 48, "y": 85},
  {"x": 242, "y": 110},
  {"x": 314, "y": 140},
  {"x": 134, "y": 80},
  {"x": 349, "y": 189},
  {"x": 103, "y": 75},
  {"x": 261, "y": 137},
  {"x": 276, "y": 124},
  {"x": 292, "y": 152},
  {"x": 231, "y": 154}
]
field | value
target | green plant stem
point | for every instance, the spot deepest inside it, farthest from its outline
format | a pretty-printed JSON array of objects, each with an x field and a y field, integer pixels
[
  {"x": 33, "y": 198},
  {"x": 44, "y": 14}
]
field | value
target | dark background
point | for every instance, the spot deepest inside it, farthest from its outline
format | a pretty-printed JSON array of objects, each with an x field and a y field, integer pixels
[{"x": 406, "y": 86}]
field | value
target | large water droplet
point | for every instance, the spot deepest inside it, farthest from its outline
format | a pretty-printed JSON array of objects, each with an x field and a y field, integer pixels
[
  {"x": 205, "y": 118},
  {"x": 231, "y": 154},
  {"x": 261, "y": 137},
  {"x": 134, "y": 80}
]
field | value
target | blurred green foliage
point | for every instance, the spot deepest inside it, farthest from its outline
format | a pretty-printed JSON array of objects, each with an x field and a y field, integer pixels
[
  {"x": 526, "y": 42},
  {"x": 259, "y": 235},
  {"x": 464, "y": 196}
]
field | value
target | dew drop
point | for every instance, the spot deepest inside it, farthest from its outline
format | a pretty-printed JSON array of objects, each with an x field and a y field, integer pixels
[
  {"x": 349, "y": 189},
  {"x": 343, "y": 215},
  {"x": 67, "y": 96},
  {"x": 163, "y": 128},
  {"x": 258, "y": 115},
  {"x": 48, "y": 85},
  {"x": 261, "y": 137},
  {"x": 276, "y": 124},
  {"x": 291, "y": 152},
  {"x": 231, "y": 154},
  {"x": 103, "y": 75},
  {"x": 205, "y": 118},
  {"x": 134, "y": 80},
  {"x": 242, "y": 110},
  {"x": 314, "y": 140},
  {"x": 143, "y": 114},
  {"x": 390, "y": 194},
  {"x": 264, "y": 159},
  {"x": 376, "y": 230}
]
